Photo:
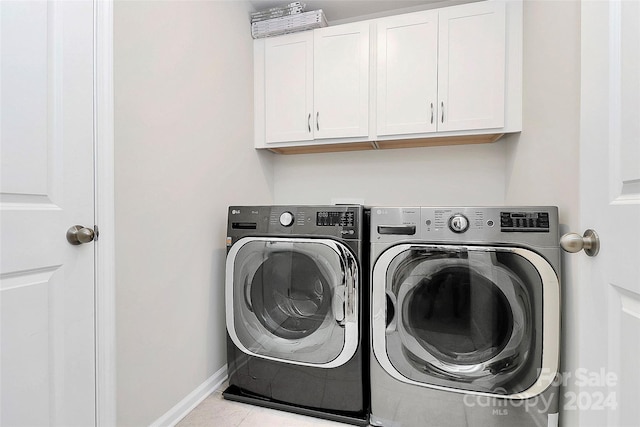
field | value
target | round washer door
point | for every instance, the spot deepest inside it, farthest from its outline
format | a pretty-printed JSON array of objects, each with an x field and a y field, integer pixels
[
  {"x": 464, "y": 318},
  {"x": 293, "y": 300}
]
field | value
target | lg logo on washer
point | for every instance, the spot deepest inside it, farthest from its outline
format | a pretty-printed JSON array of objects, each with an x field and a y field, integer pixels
[{"x": 237, "y": 212}]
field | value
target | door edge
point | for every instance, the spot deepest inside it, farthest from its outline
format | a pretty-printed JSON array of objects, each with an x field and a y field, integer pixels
[{"x": 104, "y": 281}]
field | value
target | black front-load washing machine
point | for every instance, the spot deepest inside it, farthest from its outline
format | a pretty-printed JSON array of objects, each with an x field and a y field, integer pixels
[{"x": 294, "y": 310}]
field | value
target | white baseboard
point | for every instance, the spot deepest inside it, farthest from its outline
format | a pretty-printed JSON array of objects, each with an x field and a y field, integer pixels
[{"x": 193, "y": 399}]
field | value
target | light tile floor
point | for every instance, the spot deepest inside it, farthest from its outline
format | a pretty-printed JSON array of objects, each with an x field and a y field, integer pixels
[{"x": 215, "y": 411}]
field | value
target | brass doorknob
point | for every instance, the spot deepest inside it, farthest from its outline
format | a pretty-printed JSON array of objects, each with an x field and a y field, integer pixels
[
  {"x": 78, "y": 235},
  {"x": 589, "y": 241}
]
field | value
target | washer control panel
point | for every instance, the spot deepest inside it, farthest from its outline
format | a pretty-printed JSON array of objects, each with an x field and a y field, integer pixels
[
  {"x": 535, "y": 225},
  {"x": 331, "y": 218},
  {"x": 341, "y": 221},
  {"x": 533, "y": 222}
]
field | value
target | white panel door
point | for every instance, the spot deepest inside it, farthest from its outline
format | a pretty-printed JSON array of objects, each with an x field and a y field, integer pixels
[
  {"x": 341, "y": 81},
  {"x": 288, "y": 72},
  {"x": 407, "y": 80},
  {"x": 47, "y": 363},
  {"x": 471, "y": 66},
  {"x": 609, "y": 285}
]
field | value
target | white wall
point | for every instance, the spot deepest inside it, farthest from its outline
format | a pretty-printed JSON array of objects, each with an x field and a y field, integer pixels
[
  {"x": 183, "y": 137},
  {"x": 456, "y": 175},
  {"x": 542, "y": 163}
]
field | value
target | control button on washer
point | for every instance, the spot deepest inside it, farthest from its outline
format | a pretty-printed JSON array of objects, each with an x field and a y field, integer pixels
[
  {"x": 286, "y": 219},
  {"x": 458, "y": 223}
]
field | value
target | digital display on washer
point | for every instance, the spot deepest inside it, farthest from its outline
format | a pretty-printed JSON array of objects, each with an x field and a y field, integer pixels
[
  {"x": 536, "y": 222},
  {"x": 330, "y": 219}
]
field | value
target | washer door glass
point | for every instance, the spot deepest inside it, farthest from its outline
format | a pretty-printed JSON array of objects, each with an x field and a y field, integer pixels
[
  {"x": 464, "y": 318},
  {"x": 289, "y": 294},
  {"x": 292, "y": 299}
]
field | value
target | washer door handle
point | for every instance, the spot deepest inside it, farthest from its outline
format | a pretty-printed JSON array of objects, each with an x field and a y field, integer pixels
[
  {"x": 337, "y": 303},
  {"x": 350, "y": 269},
  {"x": 391, "y": 320}
]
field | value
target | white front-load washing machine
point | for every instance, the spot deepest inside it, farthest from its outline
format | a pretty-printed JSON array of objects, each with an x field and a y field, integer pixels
[{"x": 465, "y": 316}]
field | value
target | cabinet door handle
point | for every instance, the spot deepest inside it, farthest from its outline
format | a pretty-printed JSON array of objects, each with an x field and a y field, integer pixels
[
  {"x": 309, "y": 122},
  {"x": 442, "y": 110},
  {"x": 318, "y": 120},
  {"x": 432, "y": 113}
]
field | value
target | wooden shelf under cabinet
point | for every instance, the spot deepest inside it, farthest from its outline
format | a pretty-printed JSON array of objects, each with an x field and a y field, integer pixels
[
  {"x": 389, "y": 144},
  {"x": 439, "y": 141},
  {"x": 324, "y": 148}
]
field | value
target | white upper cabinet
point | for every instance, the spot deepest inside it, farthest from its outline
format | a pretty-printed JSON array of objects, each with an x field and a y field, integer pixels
[
  {"x": 451, "y": 75},
  {"x": 407, "y": 73},
  {"x": 316, "y": 84},
  {"x": 288, "y": 87},
  {"x": 341, "y": 85},
  {"x": 442, "y": 70},
  {"x": 471, "y": 66}
]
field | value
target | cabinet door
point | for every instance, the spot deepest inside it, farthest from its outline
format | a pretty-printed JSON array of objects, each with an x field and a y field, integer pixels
[
  {"x": 471, "y": 66},
  {"x": 288, "y": 86},
  {"x": 341, "y": 81},
  {"x": 407, "y": 80}
]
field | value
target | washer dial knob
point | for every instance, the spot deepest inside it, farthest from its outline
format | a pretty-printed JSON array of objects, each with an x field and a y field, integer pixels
[
  {"x": 458, "y": 223},
  {"x": 286, "y": 219}
]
